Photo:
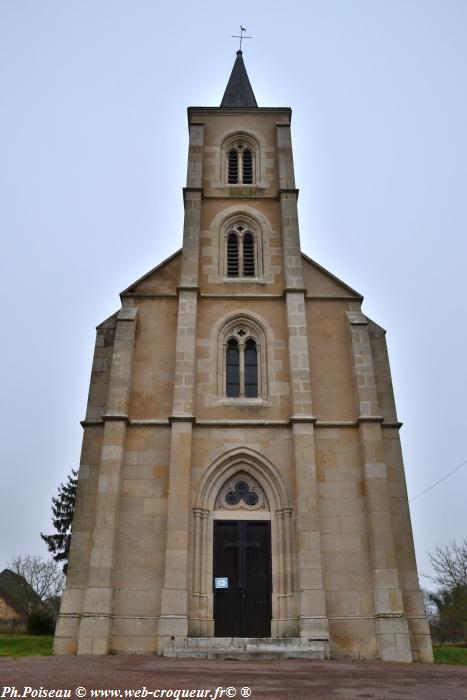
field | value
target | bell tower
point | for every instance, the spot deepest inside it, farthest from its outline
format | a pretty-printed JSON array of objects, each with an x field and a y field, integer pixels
[{"x": 241, "y": 249}]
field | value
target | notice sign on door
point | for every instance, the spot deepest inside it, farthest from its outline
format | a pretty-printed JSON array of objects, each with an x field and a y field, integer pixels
[{"x": 221, "y": 582}]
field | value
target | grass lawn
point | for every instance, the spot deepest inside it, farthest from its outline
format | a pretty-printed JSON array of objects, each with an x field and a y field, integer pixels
[
  {"x": 26, "y": 645},
  {"x": 17, "y": 645},
  {"x": 450, "y": 655}
]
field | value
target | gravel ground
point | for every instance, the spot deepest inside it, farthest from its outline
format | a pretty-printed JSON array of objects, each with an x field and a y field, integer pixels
[{"x": 271, "y": 680}]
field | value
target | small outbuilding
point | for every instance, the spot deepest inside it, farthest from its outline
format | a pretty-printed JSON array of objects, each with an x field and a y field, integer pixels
[{"x": 17, "y": 598}]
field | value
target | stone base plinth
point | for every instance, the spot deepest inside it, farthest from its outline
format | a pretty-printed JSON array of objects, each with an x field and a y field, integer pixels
[{"x": 248, "y": 648}]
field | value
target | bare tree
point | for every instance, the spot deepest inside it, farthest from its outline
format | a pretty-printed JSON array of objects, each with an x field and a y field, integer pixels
[
  {"x": 450, "y": 565},
  {"x": 448, "y": 614},
  {"x": 44, "y": 576}
]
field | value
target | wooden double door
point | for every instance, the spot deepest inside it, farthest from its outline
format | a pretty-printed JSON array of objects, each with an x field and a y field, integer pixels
[{"x": 242, "y": 578}]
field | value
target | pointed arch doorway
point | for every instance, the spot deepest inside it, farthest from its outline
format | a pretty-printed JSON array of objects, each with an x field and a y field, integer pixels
[
  {"x": 242, "y": 575},
  {"x": 242, "y": 561}
]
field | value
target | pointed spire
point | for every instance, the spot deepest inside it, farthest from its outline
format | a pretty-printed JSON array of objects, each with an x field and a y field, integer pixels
[{"x": 238, "y": 92}]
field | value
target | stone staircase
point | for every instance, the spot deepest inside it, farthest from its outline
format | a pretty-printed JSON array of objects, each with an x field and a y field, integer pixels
[{"x": 248, "y": 648}]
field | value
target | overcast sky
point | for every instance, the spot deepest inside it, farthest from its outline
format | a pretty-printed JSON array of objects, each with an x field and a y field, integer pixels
[{"x": 93, "y": 147}]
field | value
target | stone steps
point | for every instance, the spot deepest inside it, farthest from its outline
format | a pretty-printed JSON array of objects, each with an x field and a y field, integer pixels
[{"x": 247, "y": 648}]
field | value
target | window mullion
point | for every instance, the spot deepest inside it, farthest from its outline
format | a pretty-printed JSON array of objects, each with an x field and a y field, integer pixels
[
  {"x": 240, "y": 255},
  {"x": 240, "y": 166}
]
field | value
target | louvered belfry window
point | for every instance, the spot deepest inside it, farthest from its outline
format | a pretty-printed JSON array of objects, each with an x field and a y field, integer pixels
[
  {"x": 232, "y": 167},
  {"x": 248, "y": 255},
  {"x": 241, "y": 252},
  {"x": 247, "y": 170},
  {"x": 240, "y": 165},
  {"x": 232, "y": 255}
]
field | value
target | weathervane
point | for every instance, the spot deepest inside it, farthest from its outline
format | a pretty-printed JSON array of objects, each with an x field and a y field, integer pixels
[{"x": 241, "y": 37}]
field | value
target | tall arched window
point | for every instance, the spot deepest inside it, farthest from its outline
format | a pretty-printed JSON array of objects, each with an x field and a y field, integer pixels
[
  {"x": 250, "y": 356},
  {"x": 248, "y": 255},
  {"x": 242, "y": 371},
  {"x": 232, "y": 254},
  {"x": 247, "y": 167},
  {"x": 232, "y": 167},
  {"x": 232, "y": 368},
  {"x": 241, "y": 157},
  {"x": 241, "y": 252}
]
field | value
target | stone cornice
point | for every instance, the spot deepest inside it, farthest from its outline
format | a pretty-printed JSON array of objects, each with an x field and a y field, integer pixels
[
  {"x": 207, "y": 295},
  {"x": 142, "y": 422},
  {"x": 189, "y": 190},
  {"x": 292, "y": 190},
  {"x": 369, "y": 419},
  {"x": 204, "y": 295},
  {"x": 115, "y": 417},
  {"x": 357, "y": 318},
  {"x": 302, "y": 419},
  {"x": 149, "y": 295},
  {"x": 182, "y": 419},
  {"x": 239, "y": 422},
  {"x": 256, "y": 194},
  {"x": 222, "y": 111},
  {"x": 294, "y": 290},
  {"x": 331, "y": 298},
  {"x": 187, "y": 288},
  {"x": 127, "y": 313}
]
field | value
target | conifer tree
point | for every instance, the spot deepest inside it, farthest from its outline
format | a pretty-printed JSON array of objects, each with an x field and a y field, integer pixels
[{"x": 63, "y": 506}]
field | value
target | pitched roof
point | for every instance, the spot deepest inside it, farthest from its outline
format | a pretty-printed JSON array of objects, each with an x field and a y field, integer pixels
[
  {"x": 16, "y": 592},
  {"x": 239, "y": 92}
]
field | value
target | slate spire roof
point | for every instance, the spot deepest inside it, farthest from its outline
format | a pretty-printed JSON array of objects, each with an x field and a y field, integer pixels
[{"x": 239, "y": 92}]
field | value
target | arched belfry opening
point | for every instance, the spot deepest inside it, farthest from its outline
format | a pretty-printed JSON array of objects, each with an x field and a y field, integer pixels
[{"x": 242, "y": 558}]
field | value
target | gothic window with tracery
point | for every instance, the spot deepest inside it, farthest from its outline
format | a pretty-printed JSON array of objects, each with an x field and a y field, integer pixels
[
  {"x": 241, "y": 365},
  {"x": 240, "y": 163},
  {"x": 241, "y": 252}
]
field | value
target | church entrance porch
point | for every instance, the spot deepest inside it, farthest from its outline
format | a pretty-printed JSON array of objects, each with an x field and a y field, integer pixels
[
  {"x": 242, "y": 578},
  {"x": 242, "y": 535}
]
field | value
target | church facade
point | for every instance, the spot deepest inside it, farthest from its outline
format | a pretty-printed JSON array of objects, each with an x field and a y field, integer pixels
[{"x": 241, "y": 484}]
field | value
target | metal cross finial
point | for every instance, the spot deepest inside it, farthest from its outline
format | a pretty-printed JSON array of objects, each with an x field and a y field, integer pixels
[{"x": 241, "y": 37}]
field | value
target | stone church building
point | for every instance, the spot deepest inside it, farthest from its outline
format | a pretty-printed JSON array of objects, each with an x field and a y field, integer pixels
[{"x": 241, "y": 487}]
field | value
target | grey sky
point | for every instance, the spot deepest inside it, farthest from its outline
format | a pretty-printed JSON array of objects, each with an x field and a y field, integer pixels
[{"x": 93, "y": 143}]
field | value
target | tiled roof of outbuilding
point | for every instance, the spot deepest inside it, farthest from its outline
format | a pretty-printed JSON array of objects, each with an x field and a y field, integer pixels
[{"x": 16, "y": 592}]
